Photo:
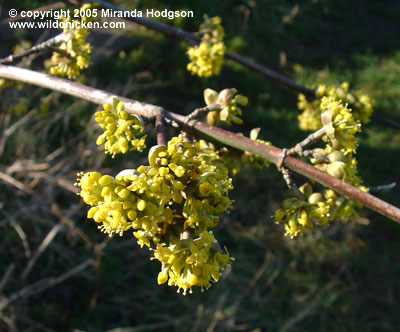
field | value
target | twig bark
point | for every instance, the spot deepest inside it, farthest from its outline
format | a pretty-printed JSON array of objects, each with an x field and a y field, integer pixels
[
  {"x": 271, "y": 153},
  {"x": 35, "y": 49},
  {"x": 161, "y": 136},
  {"x": 310, "y": 139}
]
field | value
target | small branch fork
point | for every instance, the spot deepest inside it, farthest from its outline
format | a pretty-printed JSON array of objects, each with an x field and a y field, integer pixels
[
  {"x": 299, "y": 150},
  {"x": 310, "y": 139},
  {"x": 203, "y": 110},
  {"x": 270, "y": 153}
]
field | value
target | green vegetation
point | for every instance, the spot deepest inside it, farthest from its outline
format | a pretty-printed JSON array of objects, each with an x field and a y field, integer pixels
[{"x": 343, "y": 277}]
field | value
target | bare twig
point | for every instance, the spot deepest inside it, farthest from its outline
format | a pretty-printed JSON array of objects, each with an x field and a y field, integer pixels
[
  {"x": 291, "y": 184},
  {"x": 310, "y": 139},
  {"x": 270, "y": 153},
  {"x": 161, "y": 136},
  {"x": 43, "y": 284},
  {"x": 203, "y": 110},
  {"x": 48, "y": 44}
]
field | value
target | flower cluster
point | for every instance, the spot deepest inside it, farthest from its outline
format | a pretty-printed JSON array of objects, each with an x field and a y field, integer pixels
[
  {"x": 73, "y": 53},
  {"x": 300, "y": 215},
  {"x": 120, "y": 129},
  {"x": 228, "y": 99},
  {"x": 359, "y": 102},
  {"x": 337, "y": 159},
  {"x": 322, "y": 208},
  {"x": 207, "y": 58},
  {"x": 171, "y": 204},
  {"x": 339, "y": 124}
]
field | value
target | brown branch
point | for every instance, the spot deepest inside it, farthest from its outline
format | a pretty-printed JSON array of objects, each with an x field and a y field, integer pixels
[
  {"x": 271, "y": 153},
  {"x": 161, "y": 136}
]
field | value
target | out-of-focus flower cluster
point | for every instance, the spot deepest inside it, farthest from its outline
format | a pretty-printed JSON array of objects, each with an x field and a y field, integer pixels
[
  {"x": 235, "y": 159},
  {"x": 120, "y": 129},
  {"x": 207, "y": 58},
  {"x": 170, "y": 205},
  {"x": 358, "y": 102},
  {"x": 229, "y": 101},
  {"x": 73, "y": 52}
]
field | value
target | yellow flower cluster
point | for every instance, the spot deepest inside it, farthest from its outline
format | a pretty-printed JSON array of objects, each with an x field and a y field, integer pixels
[
  {"x": 359, "y": 102},
  {"x": 340, "y": 125},
  {"x": 317, "y": 209},
  {"x": 300, "y": 215},
  {"x": 229, "y": 100},
  {"x": 171, "y": 203},
  {"x": 120, "y": 129},
  {"x": 207, "y": 58},
  {"x": 321, "y": 208},
  {"x": 74, "y": 51}
]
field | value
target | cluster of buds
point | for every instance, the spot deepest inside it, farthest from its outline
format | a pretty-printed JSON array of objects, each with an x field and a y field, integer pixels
[
  {"x": 299, "y": 215},
  {"x": 310, "y": 118},
  {"x": 337, "y": 159},
  {"x": 119, "y": 129},
  {"x": 206, "y": 59},
  {"x": 229, "y": 110},
  {"x": 170, "y": 205},
  {"x": 73, "y": 53}
]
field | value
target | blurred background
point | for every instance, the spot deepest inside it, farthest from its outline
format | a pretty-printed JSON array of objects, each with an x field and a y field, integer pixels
[{"x": 59, "y": 273}]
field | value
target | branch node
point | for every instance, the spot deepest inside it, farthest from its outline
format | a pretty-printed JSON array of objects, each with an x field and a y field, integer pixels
[{"x": 282, "y": 157}]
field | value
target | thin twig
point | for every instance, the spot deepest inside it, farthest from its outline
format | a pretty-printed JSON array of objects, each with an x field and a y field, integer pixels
[
  {"x": 35, "y": 49},
  {"x": 270, "y": 153},
  {"x": 310, "y": 139},
  {"x": 161, "y": 136},
  {"x": 203, "y": 110},
  {"x": 291, "y": 184}
]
